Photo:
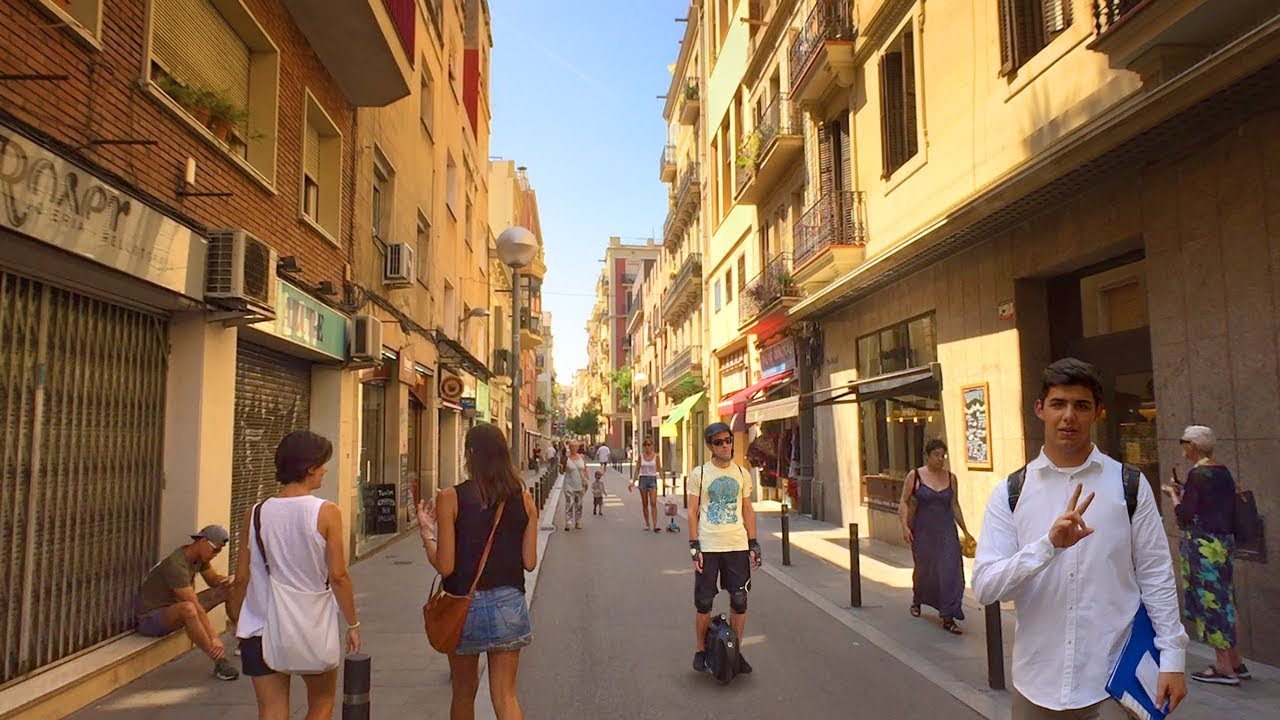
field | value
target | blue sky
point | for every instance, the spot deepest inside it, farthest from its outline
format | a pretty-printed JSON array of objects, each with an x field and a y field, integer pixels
[{"x": 574, "y": 95}]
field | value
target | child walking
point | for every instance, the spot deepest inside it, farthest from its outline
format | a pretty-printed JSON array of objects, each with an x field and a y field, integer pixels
[{"x": 597, "y": 494}]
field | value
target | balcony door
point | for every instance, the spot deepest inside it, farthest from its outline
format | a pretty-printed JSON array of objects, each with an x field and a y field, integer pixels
[{"x": 833, "y": 157}]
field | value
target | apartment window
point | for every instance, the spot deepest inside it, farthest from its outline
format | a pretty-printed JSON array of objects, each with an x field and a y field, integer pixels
[
  {"x": 898, "y": 101},
  {"x": 1027, "y": 26},
  {"x": 427, "y": 99},
  {"x": 726, "y": 169},
  {"x": 724, "y": 21},
  {"x": 728, "y": 286},
  {"x": 383, "y": 176},
  {"x": 450, "y": 310},
  {"x": 451, "y": 186},
  {"x": 742, "y": 272},
  {"x": 468, "y": 221},
  {"x": 422, "y": 250},
  {"x": 719, "y": 301},
  {"x": 82, "y": 16},
  {"x": 321, "y": 168},
  {"x": 212, "y": 60}
]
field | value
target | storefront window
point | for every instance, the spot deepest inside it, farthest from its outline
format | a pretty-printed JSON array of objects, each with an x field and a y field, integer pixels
[
  {"x": 909, "y": 344},
  {"x": 372, "y": 442},
  {"x": 895, "y": 425}
]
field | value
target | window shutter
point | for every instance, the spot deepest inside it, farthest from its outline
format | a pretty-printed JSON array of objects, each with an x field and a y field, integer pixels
[
  {"x": 1057, "y": 16},
  {"x": 891, "y": 112},
  {"x": 826, "y": 167},
  {"x": 909, "y": 143},
  {"x": 194, "y": 44},
  {"x": 311, "y": 161},
  {"x": 1007, "y": 64},
  {"x": 1029, "y": 30}
]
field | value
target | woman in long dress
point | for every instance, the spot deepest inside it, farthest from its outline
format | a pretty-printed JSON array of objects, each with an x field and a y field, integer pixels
[{"x": 930, "y": 530}]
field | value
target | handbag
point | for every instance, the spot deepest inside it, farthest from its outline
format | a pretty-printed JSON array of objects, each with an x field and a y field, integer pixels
[
  {"x": 1248, "y": 528},
  {"x": 300, "y": 635},
  {"x": 445, "y": 614}
]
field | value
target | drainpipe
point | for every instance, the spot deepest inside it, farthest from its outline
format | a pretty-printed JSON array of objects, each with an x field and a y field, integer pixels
[{"x": 806, "y": 346}]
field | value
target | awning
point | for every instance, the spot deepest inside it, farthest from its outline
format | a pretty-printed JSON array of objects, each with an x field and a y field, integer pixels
[
  {"x": 454, "y": 355},
  {"x": 737, "y": 402},
  {"x": 912, "y": 381},
  {"x": 788, "y": 407},
  {"x": 670, "y": 426}
]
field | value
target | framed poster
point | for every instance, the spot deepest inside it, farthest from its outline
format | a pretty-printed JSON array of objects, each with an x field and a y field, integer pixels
[{"x": 977, "y": 426}]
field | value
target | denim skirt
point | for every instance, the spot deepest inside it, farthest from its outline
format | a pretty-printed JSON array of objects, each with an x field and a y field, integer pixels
[{"x": 497, "y": 620}]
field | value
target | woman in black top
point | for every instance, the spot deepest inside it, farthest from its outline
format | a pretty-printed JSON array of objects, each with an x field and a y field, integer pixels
[
  {"x": 1205, "y": 506},
  {"x": 498, "y": 621}
]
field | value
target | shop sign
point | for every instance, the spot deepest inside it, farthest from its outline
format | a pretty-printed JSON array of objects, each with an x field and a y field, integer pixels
[
  {"x": 777, "y": 358},
  {"x": 56, "y": 202},
  {"x": 882, "y": 492},
  {"x": 305, "y": 321},
  {"x": 483, "y": 411},
  {"x": 467, "y": 403}
]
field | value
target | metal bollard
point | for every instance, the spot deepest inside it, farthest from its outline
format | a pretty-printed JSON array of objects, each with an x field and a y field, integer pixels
[
  {"x": 684, "y": 484},
  {"x": 995, "y": 647},
  {"x": 355, "y": 687},
  {"x": 855, "y": 568},
  {"x": 786, "y": 537}
]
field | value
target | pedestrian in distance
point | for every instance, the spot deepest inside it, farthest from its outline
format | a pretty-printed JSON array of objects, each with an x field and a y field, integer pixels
[
  {"x": 305, "y": 547},
  {"x": 574, "y": 469},
  {"x": 597, "y": 494},
  {"x": 930, "y": 511},
  {"x": 602, "y": 456},
  {"x": 167, "y": 599},
  {"x": 455, "y": 529},
  {"x": 1205, "y": 506},
  {"x": 646, "y": 476},
  {"x": 1075, "y": 541},
  {"x": 722, "y": 539}
]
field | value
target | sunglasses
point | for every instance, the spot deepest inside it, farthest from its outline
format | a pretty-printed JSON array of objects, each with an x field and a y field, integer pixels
[{"x": 722, "y": 442}]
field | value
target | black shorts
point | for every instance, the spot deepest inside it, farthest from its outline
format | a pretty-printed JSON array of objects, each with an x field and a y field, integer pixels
[
  {"x": 732, "y": 570},
  {"x": 251, "y": 662}
]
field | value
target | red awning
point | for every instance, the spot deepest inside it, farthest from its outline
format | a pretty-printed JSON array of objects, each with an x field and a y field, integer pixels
[{"x": 737, "y": 402}]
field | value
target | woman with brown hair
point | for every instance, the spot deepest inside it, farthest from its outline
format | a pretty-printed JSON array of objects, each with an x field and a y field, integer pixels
[
  {"x": 930, "y": 512},
  {"x": 498, "y": 620}
]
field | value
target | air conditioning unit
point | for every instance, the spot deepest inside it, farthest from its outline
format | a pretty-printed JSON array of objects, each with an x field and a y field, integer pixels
[
  {"x": 241, "y": 271},
  {"x": 398, "y": 270},
  {"x": 366, "y": 338}
]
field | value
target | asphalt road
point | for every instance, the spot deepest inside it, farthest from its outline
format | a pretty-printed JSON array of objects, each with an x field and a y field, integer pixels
[{"x": 613, "y": 637}]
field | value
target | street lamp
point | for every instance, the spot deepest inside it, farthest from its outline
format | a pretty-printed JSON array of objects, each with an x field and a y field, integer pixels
[{"x": 516, "y": 249}]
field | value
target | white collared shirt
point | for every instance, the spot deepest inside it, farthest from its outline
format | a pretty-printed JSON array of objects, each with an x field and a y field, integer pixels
[{"x": 1075, "y": 607}]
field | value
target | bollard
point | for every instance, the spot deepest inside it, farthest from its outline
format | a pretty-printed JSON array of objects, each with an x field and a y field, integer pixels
[
  {"x": 684, "y": 484},
  {"x": 355, "y": 687},
  {"x": 786, "y": 537},
  {"x": 855, "y": 568},
  {"x": 995, "y": 647}
]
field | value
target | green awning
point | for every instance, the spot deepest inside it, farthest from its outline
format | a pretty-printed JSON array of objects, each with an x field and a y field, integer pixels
[{"x": 670, "y": 426}]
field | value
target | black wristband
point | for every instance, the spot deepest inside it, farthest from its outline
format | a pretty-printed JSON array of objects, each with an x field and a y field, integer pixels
[
  {"x": 695, "y": 545},
  {"x": 754, "y": 546}
]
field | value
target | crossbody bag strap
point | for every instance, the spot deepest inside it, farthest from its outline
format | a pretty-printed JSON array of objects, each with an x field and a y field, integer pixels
[
  {"x": 484, "y": 559},
  {"x": 257, "y": 533}
]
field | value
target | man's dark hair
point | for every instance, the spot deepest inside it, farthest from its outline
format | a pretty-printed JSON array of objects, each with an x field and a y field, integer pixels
[
  {"x": 1070, "y": 371},
  {"x": 934, "y": 444},
  {"x": 298, "y": 453}
]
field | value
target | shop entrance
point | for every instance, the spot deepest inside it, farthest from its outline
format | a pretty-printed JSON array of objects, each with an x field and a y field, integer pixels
[{"x": 1099, "y": 314}]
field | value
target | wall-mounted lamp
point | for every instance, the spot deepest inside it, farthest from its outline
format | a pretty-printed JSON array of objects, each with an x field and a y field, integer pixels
[
  {"x": 477, "y": 312},
  {"x": 186, "y": 187}
]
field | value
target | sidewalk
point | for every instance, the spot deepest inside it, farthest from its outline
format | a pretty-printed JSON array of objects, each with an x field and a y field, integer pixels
[
  {"x": 410, "y": 679},
  {"x": 819, "y": 571}
]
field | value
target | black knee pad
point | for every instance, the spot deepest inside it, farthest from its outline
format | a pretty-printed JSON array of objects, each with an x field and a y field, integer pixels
[
  {"x": 738, "y": 601},
  {"x": 703, "y": 605}
]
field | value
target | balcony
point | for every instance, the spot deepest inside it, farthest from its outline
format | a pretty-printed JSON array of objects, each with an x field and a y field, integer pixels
[
  {"x": 830, "y": 239},
  {"x": 1160, "y": 38},
  {"x": 690, "y": 101},
  {"x": 682, "y": 375},
  {"x": 773, "y": 149},
  {"x": 684, "y": 291},
  {"x": 366, "y": 45},
  {"x": 684, "y": 205},
  {"x": 822, "y": 52},
  {"x": 530, "y": 330},
  {"x": 502, "y": 365},
  {"x": 764, "y": 302},
  {"x": 667, "y": 164}
]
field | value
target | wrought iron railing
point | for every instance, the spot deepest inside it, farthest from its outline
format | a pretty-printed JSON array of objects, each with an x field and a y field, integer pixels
[
  {"x": 690, "y": 270},
  {"x": 691, "y": 92},
  {"x": 779, "y": 118},
  {"x": 531, "y": 322},
  {"x": 771, "y": 285},
  {"x": 681, "y": 363},
  {"x": 838, "y": 219},
  {"x": 501, "y": 362},
  {"x": 684, "y": 190},
  {"x": 1108, "y": 13},
  {"x": 830, "y": 20},
  {"x": 667, "y": 159}
]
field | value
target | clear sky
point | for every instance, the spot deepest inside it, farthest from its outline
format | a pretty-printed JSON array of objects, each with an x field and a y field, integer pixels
[{"x": 575, "y": 86}]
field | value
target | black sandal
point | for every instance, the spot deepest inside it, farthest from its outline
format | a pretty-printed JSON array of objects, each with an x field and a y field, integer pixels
[
  {"x": 950, "y": 626},
  {"x": 915, "y": 611}
]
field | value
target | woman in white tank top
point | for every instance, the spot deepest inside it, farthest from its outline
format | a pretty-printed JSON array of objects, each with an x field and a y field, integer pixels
[
  {"x": 646, "y": 476},
  {"x": 302, "y": 535}
]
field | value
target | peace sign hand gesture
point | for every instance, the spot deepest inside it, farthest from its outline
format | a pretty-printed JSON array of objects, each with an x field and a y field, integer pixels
[{"x": 1070, "y": 528}]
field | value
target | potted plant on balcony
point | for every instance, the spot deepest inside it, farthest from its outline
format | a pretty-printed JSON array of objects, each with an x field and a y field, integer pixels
[
  {"x": 787, "y": 283},
  {"x": 224, "y": 114},
  {"x": 691, "y": 90},
  {"x": 750, "y": 151}
]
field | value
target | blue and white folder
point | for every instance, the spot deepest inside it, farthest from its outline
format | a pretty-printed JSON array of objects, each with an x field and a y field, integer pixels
[{"x": 1136, "y": 677}]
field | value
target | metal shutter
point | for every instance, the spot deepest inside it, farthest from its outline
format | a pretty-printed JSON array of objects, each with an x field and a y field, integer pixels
[
  {"x": 82, "y": 401},
  {"x": 273, "y": 398},
  {"x": 193, "y": 43},
  {"x": 311, "y": 157}
]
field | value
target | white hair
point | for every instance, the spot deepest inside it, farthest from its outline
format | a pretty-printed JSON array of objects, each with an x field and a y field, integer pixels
[{"x": 1201, "y": 437}]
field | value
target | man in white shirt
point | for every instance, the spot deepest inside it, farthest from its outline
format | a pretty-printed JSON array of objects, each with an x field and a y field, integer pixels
[
  {"x": 602, "y": 456},
  {"x": 1076, "y": 582}
]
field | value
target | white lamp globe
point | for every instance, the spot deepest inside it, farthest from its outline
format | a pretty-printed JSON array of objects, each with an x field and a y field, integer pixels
[{"x": 517, "y": 247}]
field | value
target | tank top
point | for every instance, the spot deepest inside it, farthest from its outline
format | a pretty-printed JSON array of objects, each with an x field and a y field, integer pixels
[
  {"x": 648, "y": 466},
  {"x": 506, "y": 561},
  {"x": 297, "y": 552}
]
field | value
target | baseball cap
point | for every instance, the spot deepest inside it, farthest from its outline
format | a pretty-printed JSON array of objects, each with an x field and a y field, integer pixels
[{"x": 215, "y": 534}]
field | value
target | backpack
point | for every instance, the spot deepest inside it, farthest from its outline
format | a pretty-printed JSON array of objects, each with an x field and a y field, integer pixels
[
  {"x": 1131, "y": 474},
  {"x": 722, "y": 650}
]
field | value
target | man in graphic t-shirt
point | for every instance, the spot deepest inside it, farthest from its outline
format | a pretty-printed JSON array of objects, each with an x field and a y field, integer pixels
[{"x": 722, "y": 538}]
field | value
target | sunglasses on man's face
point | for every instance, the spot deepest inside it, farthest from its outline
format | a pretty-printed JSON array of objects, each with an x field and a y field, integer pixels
[{"x": 721, "y": 442}]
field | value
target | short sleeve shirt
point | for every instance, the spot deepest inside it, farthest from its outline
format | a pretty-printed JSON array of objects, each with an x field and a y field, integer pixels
[
  {"x": 721, "y": 493},
  {"x": 602, "y": 455},
  {"x": 172, "y": 573}
]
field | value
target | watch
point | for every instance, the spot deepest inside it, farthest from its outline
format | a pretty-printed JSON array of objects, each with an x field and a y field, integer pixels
[
  {"x": 695, "y": 549},
  {"x": 693, "y": 552}
]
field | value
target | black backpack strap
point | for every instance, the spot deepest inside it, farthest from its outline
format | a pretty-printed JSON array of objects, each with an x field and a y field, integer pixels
[
  {"x": 1015, "y": 482},
  {"x": 1132, "y": 477},
  {"x": 257, "y": 533}
]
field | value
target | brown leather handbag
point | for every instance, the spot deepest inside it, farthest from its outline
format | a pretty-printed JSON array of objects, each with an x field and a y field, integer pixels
[{"x": 445, "y": 614}]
